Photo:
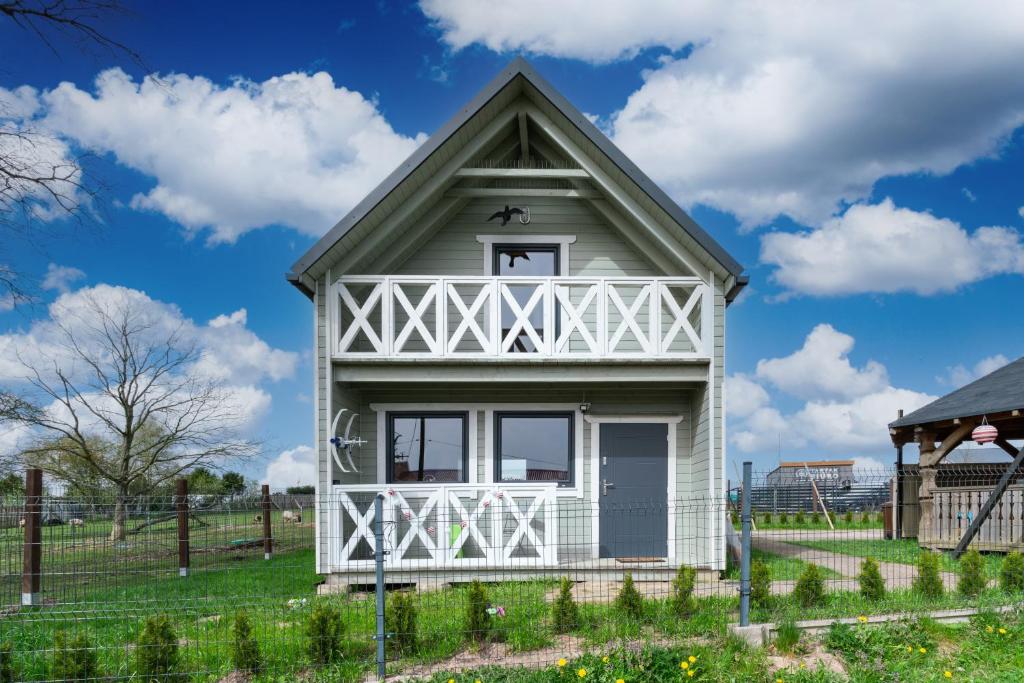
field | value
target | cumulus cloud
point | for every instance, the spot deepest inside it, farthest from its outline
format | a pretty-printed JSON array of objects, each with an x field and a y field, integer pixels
[
  {"x": 229, "y": 352},
  {"x": 60, "y": 278},
  {"x": 959, "y": 375},
  {"x": 745, "y": 395},
  {"x": 783, "y": 107},
  {"x": 882, "y": 248},
  {"x": 845, "y": 409},
  {"x": 293, "y": 467},
  {"x": 296, "y": 149}
]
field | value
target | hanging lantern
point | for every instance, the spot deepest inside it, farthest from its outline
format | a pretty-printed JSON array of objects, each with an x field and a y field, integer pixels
[{"x": 984, "y": 433}]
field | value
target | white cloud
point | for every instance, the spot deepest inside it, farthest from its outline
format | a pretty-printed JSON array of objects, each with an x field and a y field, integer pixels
[
  {"x": 230, "y": 353},
  {"x": 821, "y": 368},
  {"x": 959, "y": 375},
  {"x": 845, "y": 412},
  {"x": 294, "y": 467},
  {"x": 1020, "y": 212},
  {"x": 783, "y": 107},
  {"x": 745, "y": 395},
  {"x": 60, "y": 278},
  {"x": 883, "y": 248},
  {"x": 294, "y": 149}
]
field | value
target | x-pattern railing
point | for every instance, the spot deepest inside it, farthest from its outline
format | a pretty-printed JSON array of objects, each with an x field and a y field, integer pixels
[{"x": 562, "y": 317}]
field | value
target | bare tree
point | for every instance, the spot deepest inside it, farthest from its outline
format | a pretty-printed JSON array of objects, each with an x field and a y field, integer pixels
[{"x": 115, "y": 397}]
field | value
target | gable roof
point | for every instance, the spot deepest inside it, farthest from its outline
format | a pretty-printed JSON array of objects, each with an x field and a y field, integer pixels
[
  {"x": 518, "y": 68},
  {"x": 997, "y": 392}
]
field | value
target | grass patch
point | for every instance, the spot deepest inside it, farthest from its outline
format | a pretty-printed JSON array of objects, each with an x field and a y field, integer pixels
[
  {"x": 782, "y": 568},
  {"x": 901, "y": 552}
]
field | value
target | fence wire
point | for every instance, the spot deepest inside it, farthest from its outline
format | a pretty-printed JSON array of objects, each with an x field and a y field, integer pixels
[{"x": 481, "y": 575}]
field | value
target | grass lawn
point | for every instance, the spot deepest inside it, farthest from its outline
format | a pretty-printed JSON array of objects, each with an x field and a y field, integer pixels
[
  {"x": 782, "y": 568},
  {"x": 902, "y": 551}
]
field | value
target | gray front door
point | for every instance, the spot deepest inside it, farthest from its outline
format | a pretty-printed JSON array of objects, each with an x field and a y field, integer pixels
[{"x": 633, "y": 489}]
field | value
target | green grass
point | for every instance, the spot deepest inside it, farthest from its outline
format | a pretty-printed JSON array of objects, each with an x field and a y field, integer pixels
[
  {"x": 902, "y": 552},
  {"x": 782, "y": 568},
  {"x": 858, "y": 523}
]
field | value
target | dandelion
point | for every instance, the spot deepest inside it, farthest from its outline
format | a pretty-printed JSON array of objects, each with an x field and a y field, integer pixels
[
  {"x": 947, "y": 674},
  {"x": 922, "y": 650},
  {"x": 582, "y": 673},
  {"x": 1002, "y": 631},
  {"x": 562, "y": 662},
  {"x": 692, "y": 659},
  {"x": 779, "y": 680},
  {"x": 862, "y": 619},
  {"x": 689, "y": 673},
  {"x": 990, "y": 629},
  {"x": 605, "y": 659},
  {"x": 619, "y": 680},
  {"x": 684, "y": 665},
  {"x": 909, "y": 649}
]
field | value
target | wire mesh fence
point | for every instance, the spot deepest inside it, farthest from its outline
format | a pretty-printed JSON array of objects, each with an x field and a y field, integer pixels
[{"x": 479, "y": 575}]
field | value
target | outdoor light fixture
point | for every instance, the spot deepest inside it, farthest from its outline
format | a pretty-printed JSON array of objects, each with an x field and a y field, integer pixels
[
  {"x": 984, "y": 433},
  {"x": 584, "y": 407}
]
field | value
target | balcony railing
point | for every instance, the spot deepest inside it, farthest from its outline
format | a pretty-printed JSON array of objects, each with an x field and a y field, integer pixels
[{"x": 519, "y": 317}]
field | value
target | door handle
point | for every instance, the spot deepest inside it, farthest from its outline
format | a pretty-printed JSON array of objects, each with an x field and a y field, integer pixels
[{"x": 605, "y": 485}]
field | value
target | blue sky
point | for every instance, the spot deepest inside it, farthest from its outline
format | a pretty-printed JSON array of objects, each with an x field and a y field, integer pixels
[{"x": 784, "y": 146}]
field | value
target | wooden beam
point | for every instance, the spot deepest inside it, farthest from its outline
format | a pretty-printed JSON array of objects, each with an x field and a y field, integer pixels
[
  {"x": 521, "y": 192},
  {"x": 522, "y": 173},
  {"x": 524, "y": 140}
]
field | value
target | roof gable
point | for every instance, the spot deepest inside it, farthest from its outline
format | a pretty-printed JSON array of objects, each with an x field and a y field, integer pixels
[{"x": 485, "y": 114}]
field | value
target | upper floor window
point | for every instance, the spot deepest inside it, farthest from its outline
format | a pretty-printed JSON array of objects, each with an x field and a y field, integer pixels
[
  {"x": 529, "y": 260},
  {"x": 427, "y": 447}
]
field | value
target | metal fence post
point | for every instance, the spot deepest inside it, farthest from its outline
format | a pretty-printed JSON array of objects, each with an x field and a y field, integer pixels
[
  {"x": 268, "y": 540},
  {"x": 745, "y": 553},
  {"x": 378, "y": 556},
  {"x": 181, "y": 504},
  {"x": 32, "y": 568}
]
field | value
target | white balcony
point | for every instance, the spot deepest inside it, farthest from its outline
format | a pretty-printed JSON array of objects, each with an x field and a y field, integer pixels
[{"x": 518, "y": 318}]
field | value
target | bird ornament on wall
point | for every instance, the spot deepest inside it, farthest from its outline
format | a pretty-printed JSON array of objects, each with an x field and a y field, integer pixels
[{"x": 509, "y": 212}]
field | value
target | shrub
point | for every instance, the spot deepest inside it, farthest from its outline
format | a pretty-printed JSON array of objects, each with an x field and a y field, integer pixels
[
  {"x": 324, "y": 630},
  {"x": 73, "y": 658},
  {"x": 735, "y": 516},
  {"x": 478, "y": 621},
  {"x": 816, "y": 517},
  {"x": 628, "y": 600},
  {"x": 245, "y": 651},
  {"x": 787, "y": 637},
  {"x": 760, "y": 583},
  {"x": 799, "y": 519},
  {"x": 767, "y": 518},
  {"x": 928, "y": 582},
  {"x": 400, "y": 622},
  {"x": 783, "y": 518},
  {"x": 565, "y": 613},
  {"x": 872, "y": 587},
  {"x": 810, "y": 587},
  {"x": 7, "y": 674},
  {"x": 1011, "y": 573},
  {"x": 682, "y": 591},
  {"x": 972, "y": 573},
  {"x": 848, "y": 517},
  {"x": 157, "y": 652}
]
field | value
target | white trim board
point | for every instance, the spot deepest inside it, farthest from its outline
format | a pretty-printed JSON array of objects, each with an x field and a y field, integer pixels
[
  {"x": 562, "y": 241},
  {"x": 672, "y": 474}
]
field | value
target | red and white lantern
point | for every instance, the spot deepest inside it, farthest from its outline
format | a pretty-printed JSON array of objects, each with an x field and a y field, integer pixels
[{"x": 984, "y": 433}]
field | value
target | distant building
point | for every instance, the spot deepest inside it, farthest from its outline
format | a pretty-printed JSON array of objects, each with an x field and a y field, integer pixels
[{"x": 834, "y": 473}]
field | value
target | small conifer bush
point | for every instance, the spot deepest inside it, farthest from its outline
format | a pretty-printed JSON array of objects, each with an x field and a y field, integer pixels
[
  {"x": 735, "y": 516},
  {"x": 682, "y": 591},
  {"x": 478, "y": 621},
  {"x": 815, "y": 517},
  {"x": 245, "y": 651},
  {"x": 810, "y": 587},
  {"x": 928, "y": 582},
  {"x": 74, "y": 659},
  {"x": 783, "y": 518},
  {"x": 7, "y": 673},
  {"x": 156, "y": 654},
  {"x": 799, "y": 519},
  {"x": 628, "y": 600},
  {"x": 400, "y": 622},
  {"x": 760, "y": 583},
  {"x": 565, "y": 613},
  {"x": 848, "y": 517},
  {"x": 972, "y": 573},
  {"x": 1011, "y": 573},
  {"x": 872, "y": 587},
  {"x": 767, "y": 518},
  {"x": 324, "y": 631}
]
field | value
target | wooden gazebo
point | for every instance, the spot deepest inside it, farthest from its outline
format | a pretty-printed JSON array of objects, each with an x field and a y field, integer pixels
[{"x": 942, "y": 425}]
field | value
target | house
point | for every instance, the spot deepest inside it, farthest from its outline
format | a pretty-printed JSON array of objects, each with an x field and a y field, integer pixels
[
  {"x": 833, "y": 472},
  {"x": 953, "y": 497},
  {"x": 836, "y": 485},
  {"x": 530, "y": 335}
]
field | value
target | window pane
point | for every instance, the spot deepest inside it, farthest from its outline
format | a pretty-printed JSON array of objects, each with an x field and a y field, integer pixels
[
  {"x": 525, "y": 260},
  {"x": 532, "y": 261},
  {"x": 535, "y": 447},
  {"x": 427, "y": 448}
]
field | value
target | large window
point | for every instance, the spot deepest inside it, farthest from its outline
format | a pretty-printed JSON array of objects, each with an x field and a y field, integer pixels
[
  {"x": 427, "y": 447},
  {"x": 534, "y": 447},
  {"x": 524, "y": 260}
]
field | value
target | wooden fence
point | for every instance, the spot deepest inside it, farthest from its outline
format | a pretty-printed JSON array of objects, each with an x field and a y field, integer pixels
[{"x": 955, "y": 508}]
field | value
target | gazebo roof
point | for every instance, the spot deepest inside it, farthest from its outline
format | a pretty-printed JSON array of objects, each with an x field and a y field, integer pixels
[{"x": 999, "y": 396}]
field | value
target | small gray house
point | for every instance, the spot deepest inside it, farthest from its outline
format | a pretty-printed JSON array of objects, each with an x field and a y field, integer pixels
[{"x": 530, "y": 336}]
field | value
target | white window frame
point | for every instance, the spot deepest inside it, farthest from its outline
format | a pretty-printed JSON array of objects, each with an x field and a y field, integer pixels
[{"x": 560, "y": 241}]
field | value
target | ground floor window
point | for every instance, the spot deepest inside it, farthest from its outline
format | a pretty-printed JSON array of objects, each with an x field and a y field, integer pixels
[
  {"x": 427, "y": 447},
  {"x": 531, "y": 446}
]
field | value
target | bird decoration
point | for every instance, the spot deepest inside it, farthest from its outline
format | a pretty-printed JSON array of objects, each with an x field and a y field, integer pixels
[
  {"x": 507, "y": 214},
  {"x": 513, "y": 255}
]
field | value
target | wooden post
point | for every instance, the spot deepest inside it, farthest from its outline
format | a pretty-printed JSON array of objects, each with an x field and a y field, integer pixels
[
  {"x": 268, "y": 541},
  {"x": 33, "y": 565},
  {"x": 181, "y": 504}
]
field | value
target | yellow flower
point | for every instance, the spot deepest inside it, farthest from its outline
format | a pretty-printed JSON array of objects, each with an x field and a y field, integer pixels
[
  {"x": 684, "y": 665},
  {"x": 619, "y": 680},
  {"x": 692, "y": 659},
  {"x": 989, "y": 629},
  {"x": 922, "y": 650},
  {"x": 802, "y": 665},
  {"x": 1002, "y": 631},
  {"x": 862, "y": 619},
  {"x": 909, "y": 649},
  {"x": 947, "y": 674},
  {"x": 605, "y": 659},
  {"x": 562, "y": 662},
  {"x": 779, "y": 680},
  {"x": 690, "y": 673},
  {"x": 582, "y": 673}
]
